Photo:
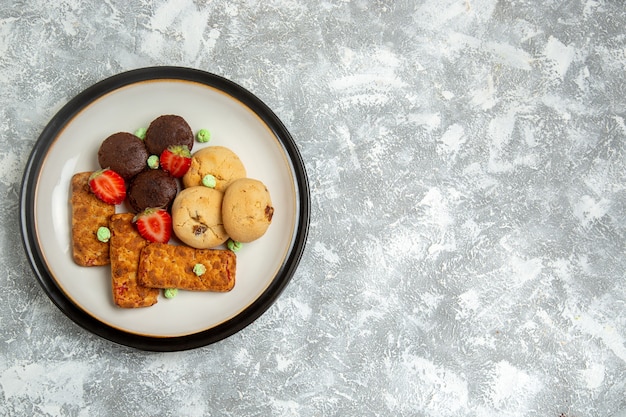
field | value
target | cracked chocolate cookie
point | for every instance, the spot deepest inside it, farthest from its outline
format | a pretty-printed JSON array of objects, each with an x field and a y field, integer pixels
[
  {"x": 152, "y": 188},
  {"x": 124, "y": 153},
  {"x": 197, "y": 217},
  {"x": 167, "y": 130}
]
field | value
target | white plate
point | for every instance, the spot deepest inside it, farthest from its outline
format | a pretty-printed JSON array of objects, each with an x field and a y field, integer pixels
[{"x": 125, "y": 102}]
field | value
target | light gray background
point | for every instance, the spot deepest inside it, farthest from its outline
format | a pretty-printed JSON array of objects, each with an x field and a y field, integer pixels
[{"x": 466, "y": 252}]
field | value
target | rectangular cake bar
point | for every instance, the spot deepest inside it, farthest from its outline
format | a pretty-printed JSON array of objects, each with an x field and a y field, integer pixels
[
  {"x": 172, "y": 266},
  {"x": 88, "y": 214},
  {"x": 126, "y": 247}
]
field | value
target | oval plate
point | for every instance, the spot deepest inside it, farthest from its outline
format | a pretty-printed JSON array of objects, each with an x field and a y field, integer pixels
[{"x": 236, "y": 119}]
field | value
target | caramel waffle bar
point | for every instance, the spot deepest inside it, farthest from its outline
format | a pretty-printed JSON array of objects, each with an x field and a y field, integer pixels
[
  {"x": 126, "y": 246},
  {"x": 88, "y": 214},
  {"x": 172, "y": 266}
]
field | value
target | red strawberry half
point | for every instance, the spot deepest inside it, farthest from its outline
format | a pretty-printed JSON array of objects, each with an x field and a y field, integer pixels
[
  {"x": 108, "y": 186},
  {"x": 154, "y": 225},
  {"x": 176, "y": 160}
]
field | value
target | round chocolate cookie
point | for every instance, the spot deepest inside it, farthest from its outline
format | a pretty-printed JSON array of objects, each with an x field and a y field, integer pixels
[
  {"x": 247, "y": 210},
  {"x": 152, "y": 188},
  {"x": 123, "y": 153},
  {"x": 168, "y": 130}
]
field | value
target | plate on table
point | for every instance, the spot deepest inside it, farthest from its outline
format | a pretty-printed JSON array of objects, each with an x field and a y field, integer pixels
[{"x": 125, "y": 102}]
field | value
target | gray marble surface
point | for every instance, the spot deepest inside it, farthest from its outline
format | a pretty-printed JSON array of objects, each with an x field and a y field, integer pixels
[{"x": 466, "y": 255}]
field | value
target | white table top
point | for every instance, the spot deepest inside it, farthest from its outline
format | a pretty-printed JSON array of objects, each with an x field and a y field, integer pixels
[{"x": 466, "y": 250}]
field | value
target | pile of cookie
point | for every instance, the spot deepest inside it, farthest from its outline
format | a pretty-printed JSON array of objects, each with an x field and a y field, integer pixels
[{"x": 160, "y": 215}]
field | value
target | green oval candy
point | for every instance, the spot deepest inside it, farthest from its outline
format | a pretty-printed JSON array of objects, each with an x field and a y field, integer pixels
[
  {"x": 153, "y": 162},
  {"x": 209, "y": 181},
  {"x": 170, "y": 292},
  {"x": 199, "y": 269},
  {"x": 203, "y": 136},
  {"x": 103, "y": 234},
  {"x": 234, "y": 245}
]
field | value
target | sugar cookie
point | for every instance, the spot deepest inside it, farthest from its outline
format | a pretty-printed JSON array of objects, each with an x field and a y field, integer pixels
[
  {"x": 197, "y": 217},
  {"x": 246, "y": 210},
  {"x": 218, "y": 161}
]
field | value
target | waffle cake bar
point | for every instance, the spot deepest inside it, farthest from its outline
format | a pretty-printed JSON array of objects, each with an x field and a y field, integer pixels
[
  {"x": 172, "y": 266},
  {"x": 88, "y": 214},
  {"x": 126, "y": 247}
]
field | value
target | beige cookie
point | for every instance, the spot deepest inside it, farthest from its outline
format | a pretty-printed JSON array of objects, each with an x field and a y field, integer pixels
[
  {"x": 197, "y": 217},
  {"x": 246, "y": 210},
  {"x": 218, "y": 161}
]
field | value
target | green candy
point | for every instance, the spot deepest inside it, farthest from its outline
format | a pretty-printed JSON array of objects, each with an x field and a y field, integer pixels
[
  {"x": 234, "y": 245},
  {"x": 170, "y": 292},
  {"x": 209, "y": 181},
  {"x": 203, "y": 136},
  {"x": 141, "y": 133},
  {"x": 153, "y": 162},
  {"x": 103, "y": 234},
  {"x": 199, "y": 269}
]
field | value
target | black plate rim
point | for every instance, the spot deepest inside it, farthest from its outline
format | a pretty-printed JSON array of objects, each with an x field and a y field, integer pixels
[{"x": 143, "y": 342}]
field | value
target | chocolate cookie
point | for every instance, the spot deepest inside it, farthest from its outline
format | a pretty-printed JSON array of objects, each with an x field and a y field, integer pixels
[
  {"x": 152, "y": 188},
  {"x": 247, "y": 210},
  {"x": 123, "y": 153},
  {"x": 168, "y": 130}
]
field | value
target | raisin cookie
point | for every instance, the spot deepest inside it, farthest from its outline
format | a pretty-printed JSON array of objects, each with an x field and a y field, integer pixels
[
  {"x": 218, "y": 161},
  {"x": 197, "y": 217},
  {"x": 247, "y": 210}
]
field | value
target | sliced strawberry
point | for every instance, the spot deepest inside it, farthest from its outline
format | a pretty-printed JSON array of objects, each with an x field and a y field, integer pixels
[
  {"x": 154, "y": 225},
  {"x": 108, "y": 186},
  {"x": 176, "y": 160}
]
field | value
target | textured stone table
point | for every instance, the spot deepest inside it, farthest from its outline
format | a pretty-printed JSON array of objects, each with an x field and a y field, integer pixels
[{"x": 466, "y": 255}]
